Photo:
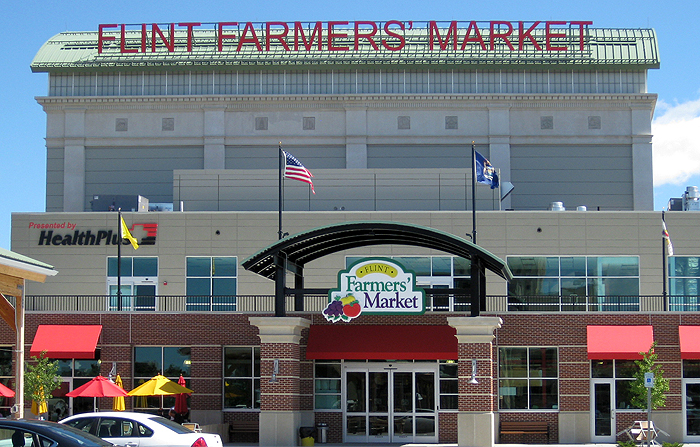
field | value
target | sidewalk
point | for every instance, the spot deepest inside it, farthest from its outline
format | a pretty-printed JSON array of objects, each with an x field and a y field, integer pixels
[{"x": 242, "y": 444}]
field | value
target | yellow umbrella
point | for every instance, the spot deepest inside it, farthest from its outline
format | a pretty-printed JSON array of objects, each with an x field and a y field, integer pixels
[
  {"x": 118, "y": 404},
  {"x": 159, "y": 386}
]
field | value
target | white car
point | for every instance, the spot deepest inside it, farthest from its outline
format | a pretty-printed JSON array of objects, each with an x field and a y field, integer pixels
[{"x": 129, "y": 429}]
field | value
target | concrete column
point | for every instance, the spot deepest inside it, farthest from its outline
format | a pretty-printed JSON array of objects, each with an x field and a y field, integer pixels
[
  {"x": 477, "y": 401},
  {"x": 281, "y": 413},
  {"x": 74, "y": 161},
  {"x": 356, "y": 138},
  {"x": 214, "y": 133},
  {"x": 642, "y": 175}
]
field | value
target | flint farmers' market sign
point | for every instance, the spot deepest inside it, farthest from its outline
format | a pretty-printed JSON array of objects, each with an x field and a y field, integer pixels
[
  {"x": 375, "y": 286},
  {"x": 337, "y": 36},
  {"x": 67, "y": 233}
]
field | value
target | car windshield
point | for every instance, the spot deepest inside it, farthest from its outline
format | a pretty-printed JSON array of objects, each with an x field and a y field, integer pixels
[{"x": 174, "y": 426}]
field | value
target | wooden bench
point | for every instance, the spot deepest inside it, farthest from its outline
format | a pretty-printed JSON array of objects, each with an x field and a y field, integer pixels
[
  {"x": 242, "y": 427},
  {"x": 524, "y": 428}
]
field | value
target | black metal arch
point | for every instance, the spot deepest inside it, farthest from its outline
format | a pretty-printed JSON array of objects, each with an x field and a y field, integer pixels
[{"x": 294, "y": 252}]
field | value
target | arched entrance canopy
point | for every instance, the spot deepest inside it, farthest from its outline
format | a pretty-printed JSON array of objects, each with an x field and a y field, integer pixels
[{"x": 294, "y": 252}]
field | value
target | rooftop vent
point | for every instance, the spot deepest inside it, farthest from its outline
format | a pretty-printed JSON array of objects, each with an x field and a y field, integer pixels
[
  {"x": 691, "y": 199},
  {"x": 557, "y": 206}
]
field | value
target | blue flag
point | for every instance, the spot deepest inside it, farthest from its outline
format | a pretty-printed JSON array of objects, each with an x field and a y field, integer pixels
[{"x": 485, "y": 173}]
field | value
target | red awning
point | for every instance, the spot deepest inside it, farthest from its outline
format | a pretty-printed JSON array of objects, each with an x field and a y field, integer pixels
[
  {"x": 690, "y": 342},
  {"x": 374, "y": 342},
  {"x": 618, "y": 342},
  {"x": 66, "y": 341}
]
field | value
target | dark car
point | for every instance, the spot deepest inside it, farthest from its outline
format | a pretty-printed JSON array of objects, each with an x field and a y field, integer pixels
[{"x": 28, "y": 433}]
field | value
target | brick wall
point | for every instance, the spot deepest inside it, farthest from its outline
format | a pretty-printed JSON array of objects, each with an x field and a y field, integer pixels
[{"x": 207, "y": 334}]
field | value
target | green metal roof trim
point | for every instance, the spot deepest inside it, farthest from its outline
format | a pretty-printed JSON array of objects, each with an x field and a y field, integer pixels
[
  {"x": 310, "y": 245},
  {"x": 16, "y": 258},
  {"x": 606, "y": 47}
]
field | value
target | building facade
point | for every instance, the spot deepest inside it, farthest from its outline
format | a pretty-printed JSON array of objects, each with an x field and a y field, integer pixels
[{"x": 187, "y": 120}]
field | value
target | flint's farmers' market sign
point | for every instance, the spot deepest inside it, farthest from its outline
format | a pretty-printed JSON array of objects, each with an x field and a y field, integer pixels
[
  {"x": 374, "y": 286},
  {"x": 393, "y": 35}
]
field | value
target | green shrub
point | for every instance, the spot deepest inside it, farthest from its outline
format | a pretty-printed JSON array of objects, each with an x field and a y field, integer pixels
[
  {"x": 672, "y": 444},
  {"x": 627, "y": 443}
]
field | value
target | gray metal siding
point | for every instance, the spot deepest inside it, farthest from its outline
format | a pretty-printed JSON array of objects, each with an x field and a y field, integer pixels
[
  {"x": 420, "y": 156},
  {"x": 265, "y": 157},
  {"x": 589, "y": 175},
  {"x": 336, "y": 190},
  {"x": 137, "y": 170}
]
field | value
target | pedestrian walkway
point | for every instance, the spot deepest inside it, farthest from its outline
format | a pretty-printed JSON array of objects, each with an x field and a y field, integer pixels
[{"x": 241, "y": 444}]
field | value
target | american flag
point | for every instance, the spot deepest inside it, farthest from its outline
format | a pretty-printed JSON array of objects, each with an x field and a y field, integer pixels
[{"x": 293, "y": 169}]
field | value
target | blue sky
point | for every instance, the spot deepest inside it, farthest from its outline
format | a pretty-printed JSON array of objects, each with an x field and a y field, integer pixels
[{"x": 25, "y": 26}]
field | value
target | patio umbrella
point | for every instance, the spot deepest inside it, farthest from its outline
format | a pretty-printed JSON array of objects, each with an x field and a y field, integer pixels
[
  {"x": 5, "y": 391},
  {"x": 100, "y": 386},
  {"x": 118, "y": 404},
  {"x": 181, "y": 398},
  {"x": 159, "y": 386}
]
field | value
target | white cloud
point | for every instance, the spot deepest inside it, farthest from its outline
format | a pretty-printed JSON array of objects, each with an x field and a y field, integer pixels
[{"x": 676, "y": 142}]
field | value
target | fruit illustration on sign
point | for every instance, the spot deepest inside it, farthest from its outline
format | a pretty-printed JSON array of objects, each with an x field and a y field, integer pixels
[
  {"x": 351, "y": 307},
  {"x": 344, "y": 309}
]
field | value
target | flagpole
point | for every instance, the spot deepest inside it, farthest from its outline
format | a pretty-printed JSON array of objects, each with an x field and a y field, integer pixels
[
  {"x": 664, "y": 257},
  {"x": 280, "y": 200},
  {"x": 119, "y": 260},
  {"x": 473, "y": 193}
]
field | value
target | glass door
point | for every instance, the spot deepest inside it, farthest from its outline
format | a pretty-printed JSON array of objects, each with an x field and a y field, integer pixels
[
  {"x": 691, "y": 410},
  {"x": 386, "y": 403},
  {"x": 603, "y": 411},
  {"x": 436, "y": 302},
  {"x": 136, "y": 295}
]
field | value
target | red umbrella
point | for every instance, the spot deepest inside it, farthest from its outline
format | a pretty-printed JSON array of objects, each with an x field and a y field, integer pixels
[
  {"x": 181, "y": 399},
  {"x": 98, "y": 387},
  {"x": 5, "y": 391}
]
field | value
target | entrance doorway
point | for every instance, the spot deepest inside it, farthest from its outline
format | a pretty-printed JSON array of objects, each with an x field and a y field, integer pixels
[
  {"x": 691, "y": 410},
  {"x": 603, "y": 411},
  {"x": 61, "y": 406},
  {"x": 390, "y": 402},
  {"x": 139, "y": 295}
]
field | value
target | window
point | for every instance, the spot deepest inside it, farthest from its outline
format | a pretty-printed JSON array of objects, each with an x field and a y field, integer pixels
[
  {"x": 211, "y": 283},
  {"x": 528, "y": 378},
  {"x": 449, "y": 385},
  {"x": 574, "y": 283},
  {"x": 6, "y": 376},
  {"x": 327, "y": 385},
  {"x": 170, "y": 361},
  {"x": 353, "y": 81},
  {"x": 691, "y": 369},
  {"x": 139, "y": 282},
  {"x": 684, "y": 277},
  {"x": 241, "y": 378},
  {"x": 622, "y": 373}
]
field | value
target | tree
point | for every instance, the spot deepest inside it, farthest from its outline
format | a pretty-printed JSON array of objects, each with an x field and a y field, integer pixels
[
  {"x": 41, "y": 379},
  {"x": 639, "y": 391}
]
